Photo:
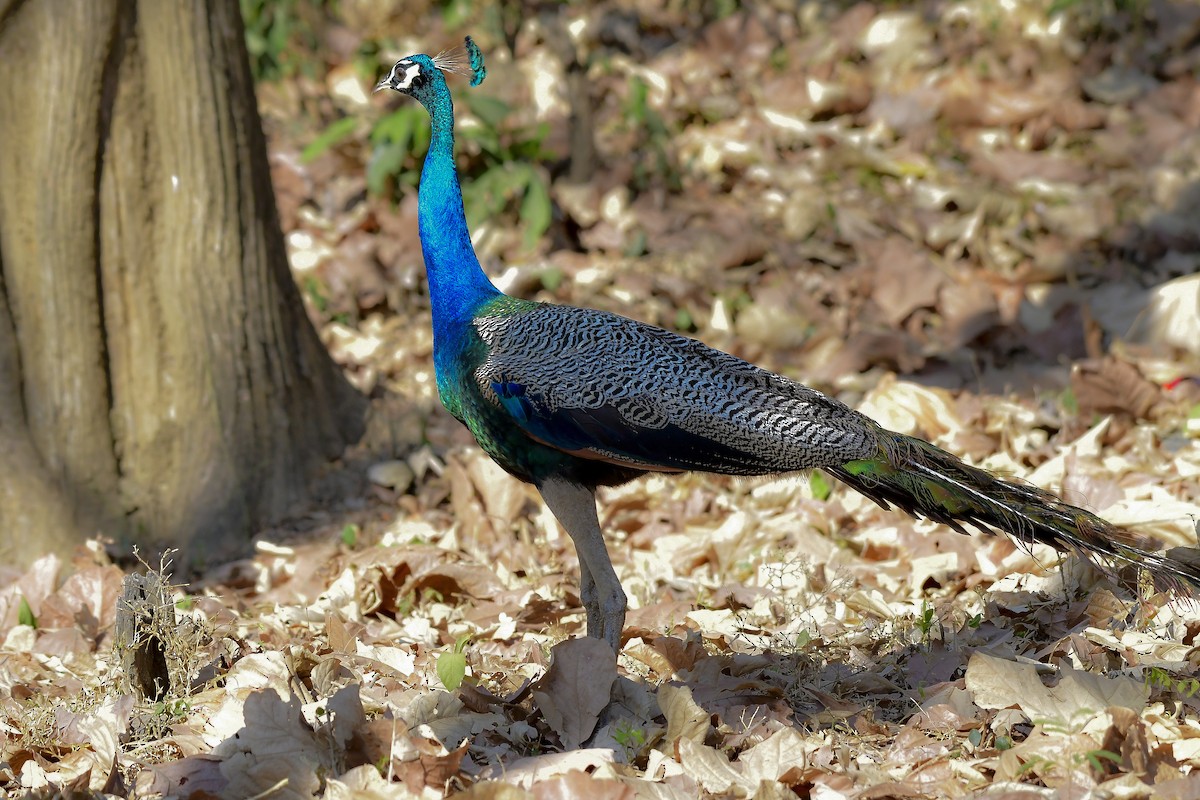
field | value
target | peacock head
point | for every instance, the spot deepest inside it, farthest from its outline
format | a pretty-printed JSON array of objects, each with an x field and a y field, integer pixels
[{"x": 420, "y": 75}]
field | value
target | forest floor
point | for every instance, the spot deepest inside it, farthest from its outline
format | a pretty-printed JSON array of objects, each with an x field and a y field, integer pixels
[{"x": 974, "y": 221}]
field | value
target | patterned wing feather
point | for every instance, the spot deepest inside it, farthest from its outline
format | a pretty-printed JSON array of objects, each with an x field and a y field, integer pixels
[{"x": 601, "y": 386}]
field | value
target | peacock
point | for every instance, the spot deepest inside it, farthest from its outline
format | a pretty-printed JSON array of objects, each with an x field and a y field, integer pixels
[{"x": 571, "y": 399}]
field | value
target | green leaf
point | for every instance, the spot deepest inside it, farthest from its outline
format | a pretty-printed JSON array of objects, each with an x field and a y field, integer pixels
[
  {"x": 337, "y": 132},
  {"x": 821, "y": 488},
  {"x": 451, "y": 669},
  {"x": 1070, "y": 403},
  {"x": 1108, "y": 755},
  {"x": 536, "y": 210},
  {"x": 25, "y": 614},
  {"x": 256, "y": 45},
  {"x": 396, "y": 128},
  {"x": 1192, "y": 426},
  {"x": 490, "y": 110},
  {"x": 386, "y": 162},
  {"x": 488, "y": 195},
  {"x": 635, "y": 105},
  {"x": 487, "y": 139},
  {"x": 552, "y": 278},
  {"x": 635, "y": 245},
  {"x": 457, "y": 13},
  {"x": 350, "y": 535},
  {"x": 316, "y": 293}
]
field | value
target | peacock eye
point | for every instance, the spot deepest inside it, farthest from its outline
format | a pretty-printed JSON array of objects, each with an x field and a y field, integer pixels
[{"x": 403, "y": 76}]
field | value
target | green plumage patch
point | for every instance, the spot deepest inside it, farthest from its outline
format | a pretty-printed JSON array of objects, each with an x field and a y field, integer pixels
[
  {"x": 504, "y": 306},
  {"x": 934, "y": 491},
  {"x": 862, "y": 467}
]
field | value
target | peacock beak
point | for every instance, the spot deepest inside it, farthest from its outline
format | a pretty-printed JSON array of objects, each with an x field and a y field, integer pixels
[{"x": 383, "y": 84}]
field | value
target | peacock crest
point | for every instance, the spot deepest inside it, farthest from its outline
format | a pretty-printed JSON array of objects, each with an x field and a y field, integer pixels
[{"x": 466, "y": 60}]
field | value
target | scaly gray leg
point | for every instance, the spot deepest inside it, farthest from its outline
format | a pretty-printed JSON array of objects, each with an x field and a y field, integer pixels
[
  {"x": 599, "y": 588},
  {"x": 587, "y": 593}
]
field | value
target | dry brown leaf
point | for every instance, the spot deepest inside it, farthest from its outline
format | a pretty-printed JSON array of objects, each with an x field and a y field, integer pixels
[
  {"x": 710, "y": 768},
  {"x": 62, "y": 642},
  {"x": 87, "y": 599},
  {"x": 495, "y": 790},
  {"x": 274, "y": 752},
  {"x": 972, "y": 101},
  {"x": 653, "y": 659},
  {"x": 343, "y": 636},
  {"x": 968, "y": 308},
  {"x": 649, "y": 621},
  {"x": 364, "y": 783},
  {"x": 895, "y": 350},
  {"x": 1077, "y": 698},
  {"x": 376, "y": 738},
  {"x": 1112, "y": 386},
  {"x": 444, "y": 716},
  {"x": 259, "y": 671},
  {"x": 201, "y": 774},
  {"x": 525, "y": 772},
  {"x": 934, "y": 664},
  {"x": 92, "y": 756},
  {"x": 1178, "y": 789},
  {"x": 834, "y": 706},
  {"x": 997, "y": 683},
  {"x": 34, "y": 586},
  {"x": 685, "y": 719},
  {"x": 1127, "y": 736},
  {"x": 503, "y": 498},
  {"x": 771, "y": 758},
  {"x": 391, "y": 574},
  {"x": 943, "y": 717},
  {"x": 912, "y": 409},
  {"x": 431, "y": 765},
  {"x": 1173, "y": 314},
  {"x": 889, "y": 790},
  {"x": 409, "y": 752},
  {"x": 903, "y": 277},
  {"x": 576, "y": 688},
  {"x": 451, "y": 579},
  {"x": 578, "y": 785},
  {"x": 913, "y": 746},
  {"x": 344, "y": 715},
  {"x": 1013, "y": 166}
]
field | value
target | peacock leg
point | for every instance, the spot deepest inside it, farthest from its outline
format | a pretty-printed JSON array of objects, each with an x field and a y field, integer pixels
[
  {"x": 600, "y": 590},
  {"x": 591, "y": 603}
]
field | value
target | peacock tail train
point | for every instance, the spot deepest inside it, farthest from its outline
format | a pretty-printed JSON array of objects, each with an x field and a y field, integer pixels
[{"x": 926, "y": 481}]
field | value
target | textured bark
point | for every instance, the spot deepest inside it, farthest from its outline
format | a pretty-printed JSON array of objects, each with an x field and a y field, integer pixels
[{"x": 161, "y": 369}]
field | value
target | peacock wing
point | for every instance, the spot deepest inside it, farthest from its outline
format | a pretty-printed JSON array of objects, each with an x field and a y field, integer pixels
[{"x": 602, "y": 386}]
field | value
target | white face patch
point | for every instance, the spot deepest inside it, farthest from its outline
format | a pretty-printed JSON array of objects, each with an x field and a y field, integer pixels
[{"x": 403, "y": 74}]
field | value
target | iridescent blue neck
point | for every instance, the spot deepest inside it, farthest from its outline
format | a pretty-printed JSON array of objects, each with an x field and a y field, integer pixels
[{"x": 457, "y": 284}]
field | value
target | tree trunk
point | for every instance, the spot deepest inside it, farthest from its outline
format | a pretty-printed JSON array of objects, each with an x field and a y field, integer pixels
[{"x": 159, "y": 381}]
